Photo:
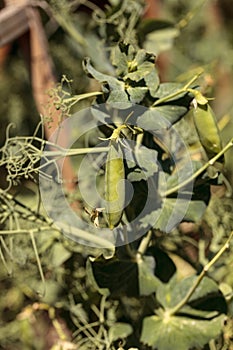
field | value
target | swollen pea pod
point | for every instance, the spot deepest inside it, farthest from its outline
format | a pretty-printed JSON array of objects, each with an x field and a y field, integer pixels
[
  {"x": 114, "y": 186},
  {"x": 207, "y": 129}
]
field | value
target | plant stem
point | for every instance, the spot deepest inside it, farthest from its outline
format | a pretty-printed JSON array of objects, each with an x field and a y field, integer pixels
[
  {"x": 199, "y": 171},
  {"x": 69, "y": 27},
  {"x": 201, "y": 276},
  {"x": 176, "y": 93},
  {"x": 77, "y": 98},
  {"x": 74, "y": 152},
  {"x": 145, "y": 243}
]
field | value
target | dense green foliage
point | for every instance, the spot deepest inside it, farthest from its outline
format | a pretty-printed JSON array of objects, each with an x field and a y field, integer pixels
[{"x": 168, "y": 283}]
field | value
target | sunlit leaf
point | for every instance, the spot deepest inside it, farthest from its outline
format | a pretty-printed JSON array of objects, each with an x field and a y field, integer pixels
[
  {"x": 119, "y": 330},
  {"x": 179, "y": 333},
  {"x": 206, "y": 301}
]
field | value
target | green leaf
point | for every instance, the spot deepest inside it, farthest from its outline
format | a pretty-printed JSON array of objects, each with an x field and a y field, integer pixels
[
  {"x": 152, "y": 82},
  {"x": 142, "y": 56},
  {"x": 142, "y": 71},
  {"x": 125, "y": 277},
  {"x": 113, "y": 83},
  {"x": 148, "y": 282},
  {"x": 206, "y": 296},
  {"x": 119, "y": 99},
  {"x": 172, "y": 212},
  {"x": 147, "y": 160},
  {"x": 179, "y": 333},
  {"x": 119, "y": 330},
  {"x": 136, "y": 175},
  {"x": 167, "y": 89},
  {"x": 99, "y": 114},
  {"x": 137, "y": 93},
  {"x": 119, "y": 60},
  {"x": 161, "y": 117},
  {"x": 95, "y": 49}
]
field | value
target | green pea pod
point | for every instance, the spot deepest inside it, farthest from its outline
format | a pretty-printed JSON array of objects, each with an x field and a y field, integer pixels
[
  {"x": 207, "y": 129},
  {"x": 114, "y": 189}
]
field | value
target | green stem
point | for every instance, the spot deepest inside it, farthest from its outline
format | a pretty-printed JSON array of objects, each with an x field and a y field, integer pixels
[
  {"x": 25, "y": 231},
  {"x": 190, "y": 14},
  {"x": 201, "y": 276},
  {"x": 178, "y": 92},
  {"x": 199, "y": 171},
  {"x": 77, "y": 98},
  {"x": 74, "y": 152},
  {"x": 38, "y": 263},
  {"x": 66, "y": 24},
  {"x": 145, "y": 243}
]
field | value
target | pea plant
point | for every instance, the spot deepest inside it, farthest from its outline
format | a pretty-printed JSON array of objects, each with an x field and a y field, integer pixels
[
  {"x": 151, "y": 156},
  {"x": 138, "y": 152}
]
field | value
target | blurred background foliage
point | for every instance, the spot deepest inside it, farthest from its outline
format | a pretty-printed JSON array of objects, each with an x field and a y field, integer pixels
[{"x": 69, "y": 315}]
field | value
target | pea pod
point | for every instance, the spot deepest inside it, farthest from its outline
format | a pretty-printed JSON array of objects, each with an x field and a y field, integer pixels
[
  {"x": 207, "y": 129},
  {"x": 114, "y": 190}
]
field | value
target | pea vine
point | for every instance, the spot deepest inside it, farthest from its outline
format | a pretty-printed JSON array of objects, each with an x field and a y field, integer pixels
[{"x": 148, "y": 184}]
